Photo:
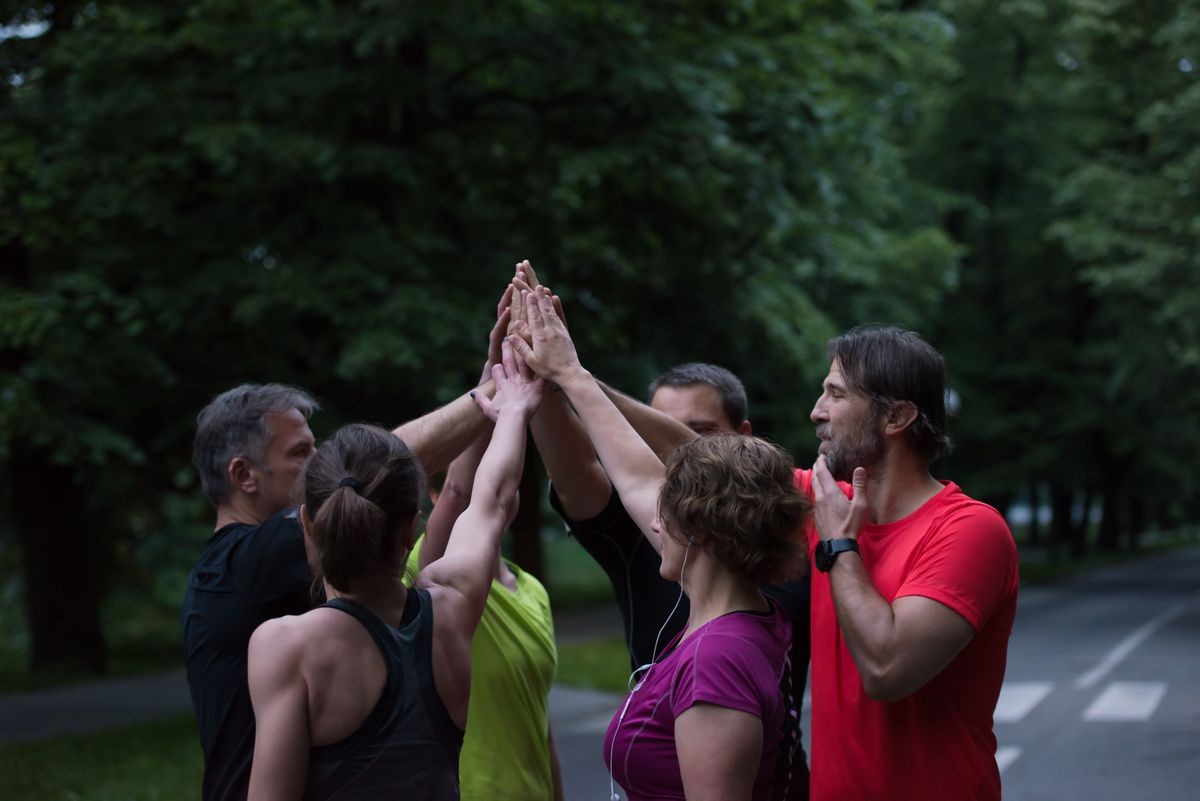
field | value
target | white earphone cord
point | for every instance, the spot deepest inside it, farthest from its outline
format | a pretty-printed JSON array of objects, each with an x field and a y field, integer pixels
[{"x": 612, "y": 784}]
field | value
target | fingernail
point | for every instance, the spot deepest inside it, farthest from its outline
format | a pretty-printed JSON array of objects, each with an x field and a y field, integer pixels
[{"x": 472, "y": 394}]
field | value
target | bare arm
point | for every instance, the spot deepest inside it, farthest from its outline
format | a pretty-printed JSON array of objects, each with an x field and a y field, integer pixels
[
  {"x": 469, "y": 561},
  {"x": 555, "y": 765},
  {"x": 719, "y": 751},
  {"x": 456, "y": 492},
  {"x": 582, "y": 486},
  {"x": 437, "y": 437},
  {"x": 898, "y": 647},
  {"x": 662, "y": 432},
  {"x": 279, "y": 695},
  {"x": 454, "y": 499},
  {"x": 635, "y": 470}
]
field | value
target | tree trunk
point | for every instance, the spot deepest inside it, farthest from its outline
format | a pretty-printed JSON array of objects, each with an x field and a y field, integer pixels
[
  {"x": 60, "y": 562},
  {"x": 1035, "y": 525},
  {"x": 1137, "y": 522},
  {"x": 1108, "y": 538},
  {"x": 1079, "y": 537},
  {"x": 527, "y": 527},
  {"x": 1062, "y": 528}
]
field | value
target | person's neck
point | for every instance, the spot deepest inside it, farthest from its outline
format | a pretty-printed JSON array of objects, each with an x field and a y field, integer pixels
[
  {"x": 239, "y": 510},
  {"x": 899, "y": 485},
  {"x": 713, "y": 591},
  {"x": 381, "y": 594}
]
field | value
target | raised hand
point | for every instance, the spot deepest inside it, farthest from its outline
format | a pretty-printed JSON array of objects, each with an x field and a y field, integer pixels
[
  {"x": 836, "y": 516},
  {"x": 526, "y": 281},
  {"x": 549, "y": 351},
  {"x": 518, "y": 390},
  {"x": 496, "y": 337}
]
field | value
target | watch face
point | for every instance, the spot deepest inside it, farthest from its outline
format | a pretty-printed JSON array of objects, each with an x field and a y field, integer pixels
[{"x": 821, "y": 557}]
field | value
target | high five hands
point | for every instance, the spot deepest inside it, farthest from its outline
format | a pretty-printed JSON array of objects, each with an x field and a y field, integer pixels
[
  {"x": 517, "y": 388},
  {"x": 549, "y": 350}
]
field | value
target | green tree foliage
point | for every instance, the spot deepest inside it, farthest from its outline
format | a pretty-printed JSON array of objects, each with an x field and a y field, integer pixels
[
  {"x": 1069, "y": 141},
  {"x": 332, "y": 194}
]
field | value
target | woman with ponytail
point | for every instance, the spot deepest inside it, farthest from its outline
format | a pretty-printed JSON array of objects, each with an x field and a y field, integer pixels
[{"x": 365, "y": 697}]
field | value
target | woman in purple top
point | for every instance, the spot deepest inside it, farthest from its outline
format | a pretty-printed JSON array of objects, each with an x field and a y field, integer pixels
[{"x": 707, "y": 719}]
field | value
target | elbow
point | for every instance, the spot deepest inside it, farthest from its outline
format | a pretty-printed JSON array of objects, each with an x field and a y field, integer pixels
[
  {"x": 884, "y": 685},
  {"x": 455, "y": 494}
]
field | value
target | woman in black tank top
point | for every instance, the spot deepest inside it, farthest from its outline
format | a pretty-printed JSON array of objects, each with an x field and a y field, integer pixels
[{"x": 366, "y": 696}]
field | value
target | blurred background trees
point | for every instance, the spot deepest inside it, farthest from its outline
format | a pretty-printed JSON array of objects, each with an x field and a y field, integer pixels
[{"x": 333, "y": 195}]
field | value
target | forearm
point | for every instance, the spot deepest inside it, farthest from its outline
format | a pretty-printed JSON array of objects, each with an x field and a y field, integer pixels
[
  {"x": 868, "y": 623},
  {"x": 635, "y": 470},
  {"x": 499, "y": 472},
  {"x": 555, "y": 765},
  {"x": 582, "y": 486},
  {"x": 439, "y": 436},
  {"x": 453, "y": 500},
  {"x": 660, "y": 431}
]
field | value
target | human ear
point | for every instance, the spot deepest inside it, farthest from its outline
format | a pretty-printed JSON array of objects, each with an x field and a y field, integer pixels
[
  {"x": 242, "y": 475},
  {"x": 900, "y": 416}
]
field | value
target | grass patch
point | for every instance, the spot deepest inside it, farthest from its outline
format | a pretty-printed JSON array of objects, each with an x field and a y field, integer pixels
[
  {"x": 573, "y": 579},
  {"x": 144, "y": 762},
  {"x": 1037, "y": 566},
  {"x": 600, "y": 664}
]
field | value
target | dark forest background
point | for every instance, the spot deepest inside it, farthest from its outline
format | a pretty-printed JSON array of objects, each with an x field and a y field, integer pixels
[{"x": 333, "y": 194}]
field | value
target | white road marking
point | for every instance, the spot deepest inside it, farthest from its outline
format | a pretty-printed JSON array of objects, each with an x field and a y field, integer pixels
[
  {"x": 1126, "y": 646},
  {"x": 1006, "y": 756},
  {"x": 1018, "y": 698},
  {"x": 1127, "y": 701}
]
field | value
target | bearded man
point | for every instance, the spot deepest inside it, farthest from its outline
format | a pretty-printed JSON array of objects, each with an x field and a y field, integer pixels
[{"x": 915, "y": 587}]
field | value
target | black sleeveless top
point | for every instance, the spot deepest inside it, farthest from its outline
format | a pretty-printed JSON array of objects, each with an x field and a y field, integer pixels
[{"x": 408, "y": 746}]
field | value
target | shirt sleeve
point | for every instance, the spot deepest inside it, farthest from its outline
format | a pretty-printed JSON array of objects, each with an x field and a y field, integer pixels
[
  {"x": 613, "y": 524},
  {"x": 412, "y": 566},
  {"x": 273, "y": 563},
  {"x": 968, "y": 563},
  {"x": 724, "y": 671}
]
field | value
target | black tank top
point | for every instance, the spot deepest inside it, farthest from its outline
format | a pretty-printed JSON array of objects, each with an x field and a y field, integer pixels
[{"x": 408, "y": 746}]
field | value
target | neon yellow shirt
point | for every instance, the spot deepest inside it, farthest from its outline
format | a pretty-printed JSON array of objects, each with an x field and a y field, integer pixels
[{"x": 505, "y": 752}]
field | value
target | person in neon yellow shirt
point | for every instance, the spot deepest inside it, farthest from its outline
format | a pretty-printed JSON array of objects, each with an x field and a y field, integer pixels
[{"x": 508, "y": 750}]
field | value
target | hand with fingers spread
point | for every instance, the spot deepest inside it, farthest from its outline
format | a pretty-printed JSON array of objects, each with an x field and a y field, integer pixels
[
  {"x": 550, "y": 351},
  {"x": 836, "y": 516},
  {"x": 518, "y": 390},
  {"x": 526, "y": 281}
]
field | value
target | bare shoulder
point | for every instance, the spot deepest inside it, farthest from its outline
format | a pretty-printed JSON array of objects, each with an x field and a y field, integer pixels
[{"x": 288, "y": 643}]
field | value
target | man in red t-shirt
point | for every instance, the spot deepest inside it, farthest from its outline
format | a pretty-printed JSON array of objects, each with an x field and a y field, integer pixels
[{"x": 915, "y": 589}]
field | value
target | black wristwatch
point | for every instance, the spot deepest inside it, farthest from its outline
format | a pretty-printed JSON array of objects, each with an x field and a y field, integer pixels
[{"x": 828, "y": 550}]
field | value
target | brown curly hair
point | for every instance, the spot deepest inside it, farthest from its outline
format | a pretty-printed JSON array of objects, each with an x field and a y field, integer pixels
[{"x": 737, "y": 495}]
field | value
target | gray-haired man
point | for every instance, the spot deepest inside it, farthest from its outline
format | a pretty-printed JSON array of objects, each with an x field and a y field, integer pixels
[{"x": 251, "y": 447}]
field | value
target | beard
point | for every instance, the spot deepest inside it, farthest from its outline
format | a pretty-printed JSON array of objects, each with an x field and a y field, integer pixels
[{"x": 861, "y": 447}]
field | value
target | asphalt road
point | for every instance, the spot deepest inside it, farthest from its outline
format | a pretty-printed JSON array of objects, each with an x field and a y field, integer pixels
[{"x": 1101, "y": 699}]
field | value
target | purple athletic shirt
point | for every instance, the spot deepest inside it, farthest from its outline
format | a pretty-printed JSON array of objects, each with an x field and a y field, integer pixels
[{"x": 733, "y": 661}]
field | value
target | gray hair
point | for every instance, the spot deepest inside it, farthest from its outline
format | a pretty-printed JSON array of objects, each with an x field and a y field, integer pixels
[
  {"x": 233, "y": 424},
  {"x": 727, "y": 385}
]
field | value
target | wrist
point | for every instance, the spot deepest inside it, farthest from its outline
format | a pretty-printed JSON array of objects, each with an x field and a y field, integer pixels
[{"x": 572, "y": 378}]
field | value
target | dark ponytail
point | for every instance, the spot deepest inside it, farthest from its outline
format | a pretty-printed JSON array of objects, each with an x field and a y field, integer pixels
[{"x": 362, "y": 490}]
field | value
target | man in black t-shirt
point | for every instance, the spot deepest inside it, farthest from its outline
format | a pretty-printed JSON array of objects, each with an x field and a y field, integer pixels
[{"x": 252, "y": 445}]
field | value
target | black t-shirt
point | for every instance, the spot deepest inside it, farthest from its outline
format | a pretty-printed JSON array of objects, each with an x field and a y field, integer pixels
[
  {"x": 646, "y": 599},
  {"x": 245, "y": 576}
]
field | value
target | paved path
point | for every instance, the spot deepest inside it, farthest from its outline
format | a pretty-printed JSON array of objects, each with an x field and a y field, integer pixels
[{"x": 103, "y": 704}]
